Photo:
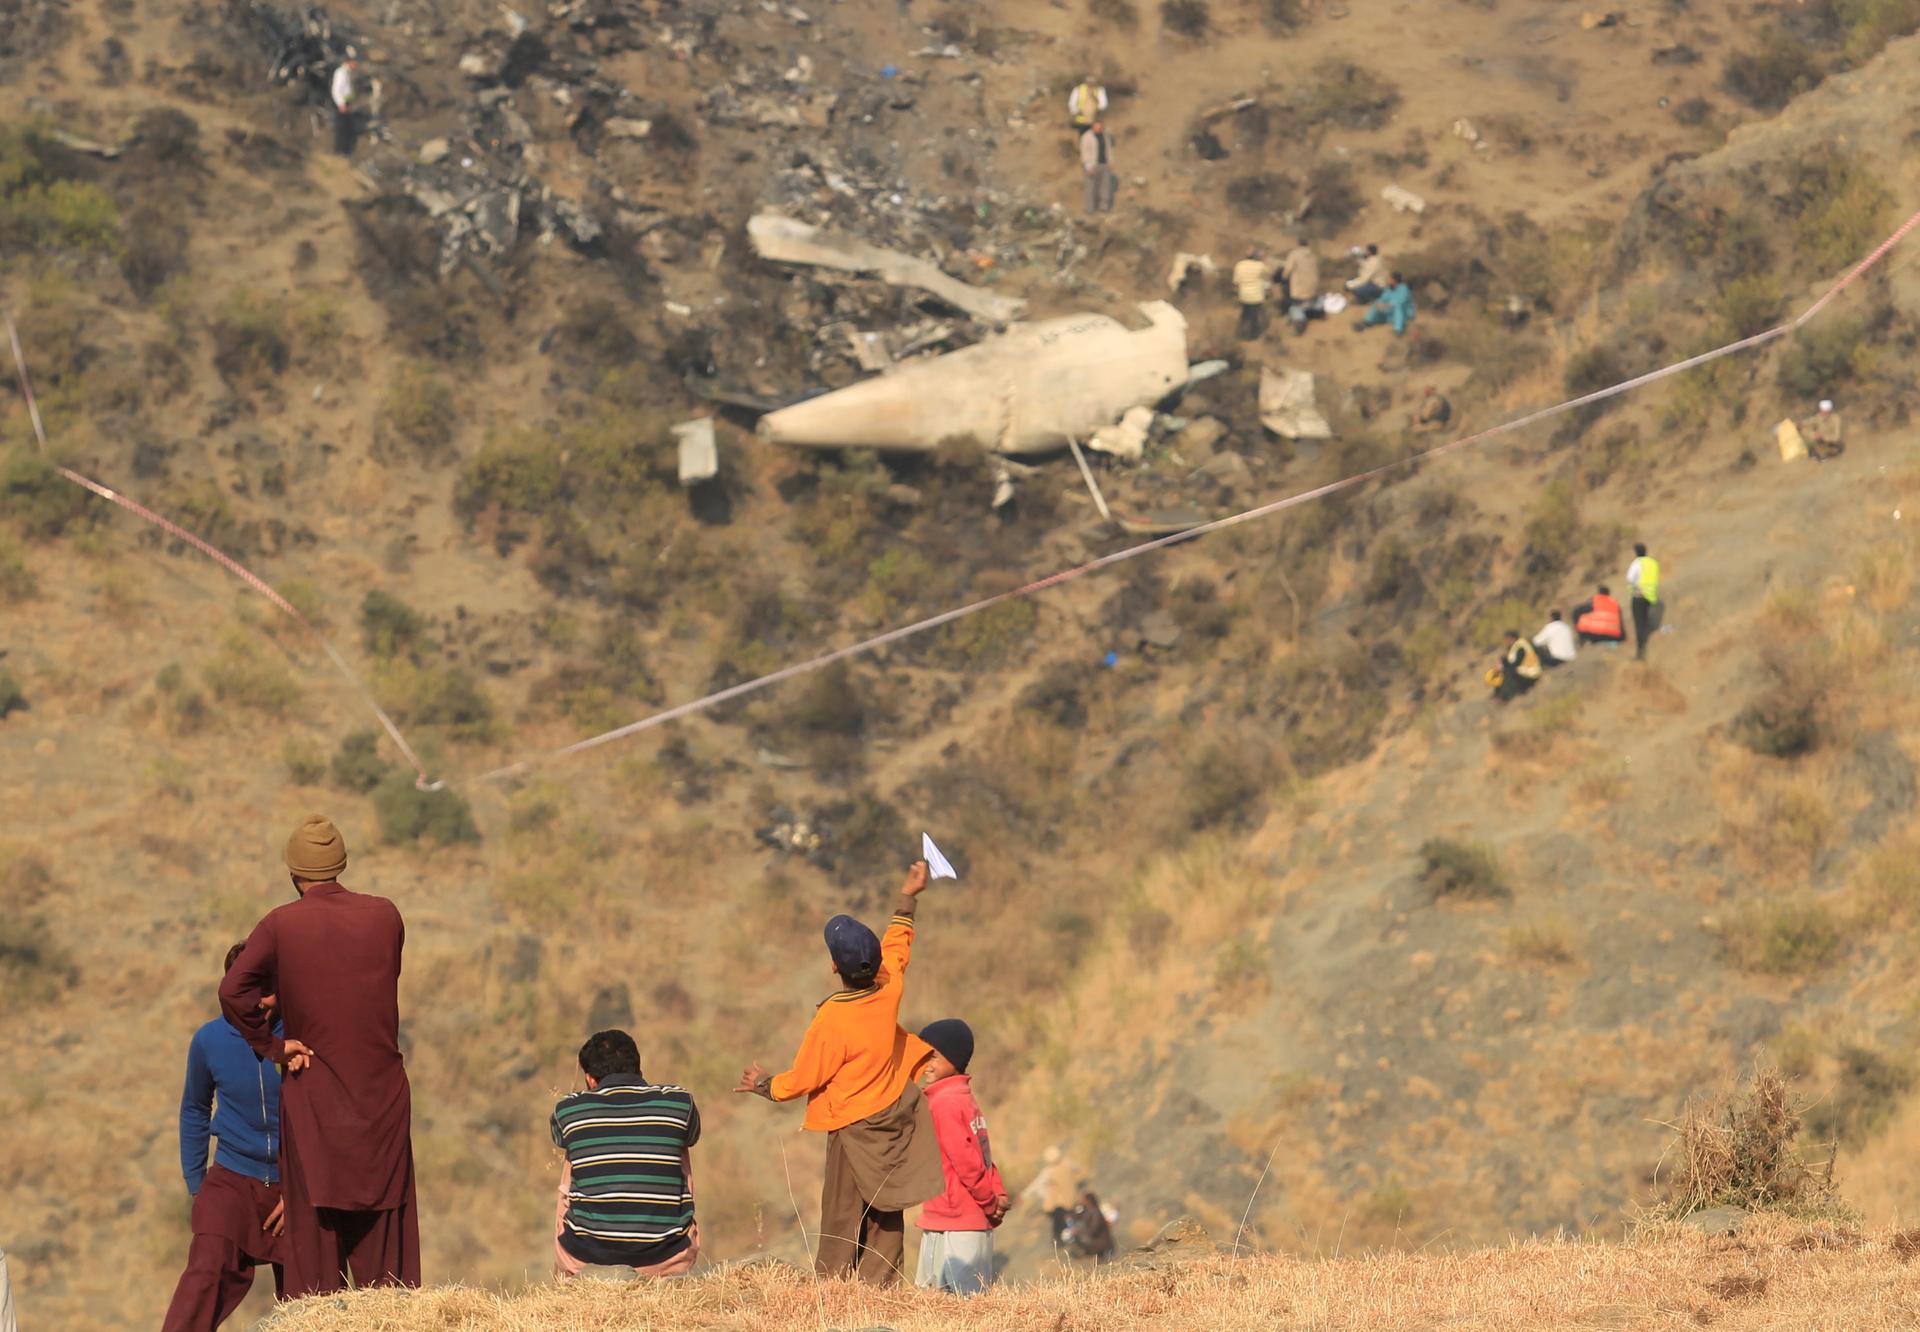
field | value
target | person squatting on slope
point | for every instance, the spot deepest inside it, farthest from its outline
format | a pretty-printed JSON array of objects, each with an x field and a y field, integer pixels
[
  {"x": 1518, "y": 671},
  {"x": 856, "y": 1066},
  {"x": 1598, "y": 619},
  {"x": 1555, "y": 642},
  {"x": 956, "y": 1242},
  {"x": 626, "y": 1190},
  {"x": 1643, "y": 577},
  {"x": 1253, "y": 284},
  {"x": 1823, "y": 434},
  {"x": 232, "y": 1094},
  {"x": 346, "y": 1151},
  {"x": 1370, "y": 283}
]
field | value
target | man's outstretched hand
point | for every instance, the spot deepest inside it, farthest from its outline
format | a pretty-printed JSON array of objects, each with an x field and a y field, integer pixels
[
  {"x": 296, "y": 1056},
  {"x": 754, "y": 1081},
  {"x": 916, "y": 879},
  {"x": 277, "y": 1218}
]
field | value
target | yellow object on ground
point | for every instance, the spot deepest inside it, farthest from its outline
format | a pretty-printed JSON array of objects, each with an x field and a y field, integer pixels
[{"x": 1793, "y": 446}]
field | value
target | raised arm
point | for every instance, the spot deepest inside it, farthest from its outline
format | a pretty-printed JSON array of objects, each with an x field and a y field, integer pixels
[
  {"x": 896, "y": 945},
  {"x": 196, "y": 1116}
]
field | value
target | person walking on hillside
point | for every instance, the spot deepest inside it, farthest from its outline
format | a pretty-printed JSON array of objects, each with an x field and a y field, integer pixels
[
  {"x": 1096, "y": 162},
  {"x": 1598, "y": 619},
  {"x": 346, "y": 104},
  {"x": 1823, "y": 434},
  {"x": 626, "y": 1190},
  {"x": 1394, "y": 307},
  {"x": 1252, "y": 283},
  {"x": 233, "y": 1095},
  {"x": 1086, "y": 103},
  {"x": 1555, "y": 642},
  {"x": 1518, "y": 671},
  {"x": 856, "y": 1066},
  {"x": 1643, "y": 577},
  {"x": 956, "y": 1243},
  {"x": 1300, "y": 273},
  {"x": 332, "y": 957}
]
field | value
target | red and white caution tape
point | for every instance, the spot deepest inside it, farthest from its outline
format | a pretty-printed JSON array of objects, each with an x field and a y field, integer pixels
[{"x": 891, "y": 636}]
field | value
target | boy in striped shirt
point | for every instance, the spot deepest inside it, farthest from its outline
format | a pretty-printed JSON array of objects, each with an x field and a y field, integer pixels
[{"x": 626, "y": 1191}]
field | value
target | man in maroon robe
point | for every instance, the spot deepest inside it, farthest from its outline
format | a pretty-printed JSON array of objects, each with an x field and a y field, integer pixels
[{"x": 346, "y": 1151}]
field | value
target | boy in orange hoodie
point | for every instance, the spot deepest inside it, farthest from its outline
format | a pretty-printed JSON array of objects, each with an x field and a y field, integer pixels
[
  {"x": 956, "y": 1240},
  {"x": 856, "y": 1067}
]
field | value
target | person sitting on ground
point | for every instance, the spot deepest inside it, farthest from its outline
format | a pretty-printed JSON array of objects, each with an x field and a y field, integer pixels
[
  {"x": 1300, "y": 274},
  {"x": 956, "y": 1244},
  {"x": 1085, "y": 103},
  {"x": 1368, "y": 284},
  {"x": 1598, "y": 619},
  {"x": 1252, "y": 283},
  {"x": 1822, "y": 433},
  {"x": 1518, "y": 671},
  {"x": 1433, "y": 413},
  {"x": 1089, "y": 1229},
  {"x": 626, "y": 1189},
  {"x": 1556, "y": 641},
  {"x": 856, "y": 1066},
  {"x": 1394, "y": 307}
]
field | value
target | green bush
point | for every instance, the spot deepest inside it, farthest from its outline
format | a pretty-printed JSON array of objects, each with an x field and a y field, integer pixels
[
  {"x": 1826, "y": 356},
  {"x": 1839, "y": 208},
  {"x": 1468, "y": 870},
  {"x": 17, "y": 582},
  {"x": 1782, "y": 938},
  {"x": 418, "y": 412},
  {"x": 38, "y": 500},
  {"x": 250, "y": 339},
  {"x": 389, "y": 627},
  {"x": 1221, "y": 786},
  {"x": 1188, "y": 18},
  {"x": 1348, "y": 95},
  {"x": 12, "y": 698},
  {"x": 448, "y": 698},
  {"x": 1775, "y": 72},
  {"x": 1868, "y": 25},
  {"x": 305, "y": 764},
  {"x": 1115, "y": 13},
  {"x": 1748, "y": 305},
  {"x": 34, "y": 968},
  {"x": 357, "y": 765},
  {"x": 409, "y": 814},
  {"x": 42, "y": 206},
  {"x": 243, "y": 676},
  {"x": 990, "y": 638}
]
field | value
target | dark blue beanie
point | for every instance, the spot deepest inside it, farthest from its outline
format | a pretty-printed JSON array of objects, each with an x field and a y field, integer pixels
[
  {"x": 952, "y": 1038},
  {"x": 854, "y": 948}
]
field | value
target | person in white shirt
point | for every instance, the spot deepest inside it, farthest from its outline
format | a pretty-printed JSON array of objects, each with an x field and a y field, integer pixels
[
  {"x": 346, "y": 95},
  {"x": 1556, "y": 641},
  {"x": 1085, "y": 103}
]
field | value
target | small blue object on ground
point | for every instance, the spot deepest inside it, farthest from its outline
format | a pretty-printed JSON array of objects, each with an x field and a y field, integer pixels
[
  {"x": 1111, "y": 659},
  {"x": 888, "y": 71}
]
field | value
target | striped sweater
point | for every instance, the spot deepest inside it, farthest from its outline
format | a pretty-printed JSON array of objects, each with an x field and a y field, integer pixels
[{"x": 627, "y": 1142}]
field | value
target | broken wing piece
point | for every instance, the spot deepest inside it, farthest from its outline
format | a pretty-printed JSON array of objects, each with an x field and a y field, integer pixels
[
  {"x": 1025, "y": 391},
  {"x": 785, "y": 241},
  {"x": 1287, "y": 407}
]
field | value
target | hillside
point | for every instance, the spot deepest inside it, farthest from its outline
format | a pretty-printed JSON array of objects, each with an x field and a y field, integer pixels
[{"x": 1192, "y": 910}]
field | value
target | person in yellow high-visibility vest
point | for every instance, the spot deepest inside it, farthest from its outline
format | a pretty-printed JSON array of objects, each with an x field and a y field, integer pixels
[
  {"x": 1085, "y": 103},
  {"x": 1643, "y": 577},
  {"x": 1518, "y": 671}
]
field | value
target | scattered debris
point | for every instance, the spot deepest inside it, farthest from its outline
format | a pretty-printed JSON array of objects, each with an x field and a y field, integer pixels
[
  {"x": 783, "y": 240},
  {"x": 1128, "y": 438},
  {"x": 699, "y": 454},
  {"x": 1198, "y": 439},
  {"x": 1185, "y": 265},
  {"x": 1159, "y": 630},
  {"x": 1201, "y": 371},
  {"x": 1464, "y": 129},
  {"x": 1592, "y": 19},
  {"x": 1024, "y": 391},
  {"x": 1287, "y": 406},
  {"x": 1403, "y": 200}
]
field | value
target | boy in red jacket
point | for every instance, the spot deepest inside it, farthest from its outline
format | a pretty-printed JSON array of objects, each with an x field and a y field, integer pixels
[{"x": 956, "y": 1241}]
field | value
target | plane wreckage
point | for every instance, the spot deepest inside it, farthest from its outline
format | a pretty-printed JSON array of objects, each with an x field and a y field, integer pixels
[{"x": 1032, "y": 389}]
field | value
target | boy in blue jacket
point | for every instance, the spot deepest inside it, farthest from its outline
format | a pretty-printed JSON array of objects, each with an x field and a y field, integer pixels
[{"x": 234, "y": 1095}]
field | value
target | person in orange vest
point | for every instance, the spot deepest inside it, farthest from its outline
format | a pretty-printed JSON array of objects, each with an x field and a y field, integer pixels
[{"x": 1599, "y": 620}]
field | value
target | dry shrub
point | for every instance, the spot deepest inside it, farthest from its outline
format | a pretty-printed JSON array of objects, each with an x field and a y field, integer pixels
[
  {"x": 1115, "y": 13},
  {"x": 1187, "y": 18},
  {"x": 1546, "y": 943},
  {"x": 1469, "y": 870},
  {"x": 1737, "y": 1149},
  {"x": 1782, "y": 938}
]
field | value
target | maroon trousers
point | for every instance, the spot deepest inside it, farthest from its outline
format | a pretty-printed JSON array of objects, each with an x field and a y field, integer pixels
[
  {"x": 229, "y": 1240},
  {"x": 329, "y": 1249}
]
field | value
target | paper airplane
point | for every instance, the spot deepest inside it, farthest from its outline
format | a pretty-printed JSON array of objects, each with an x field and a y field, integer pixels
[{"x": 937, "y": 865}]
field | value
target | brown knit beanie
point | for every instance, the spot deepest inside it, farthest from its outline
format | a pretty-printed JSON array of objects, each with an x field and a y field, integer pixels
[{"x": 316, "y": 850}]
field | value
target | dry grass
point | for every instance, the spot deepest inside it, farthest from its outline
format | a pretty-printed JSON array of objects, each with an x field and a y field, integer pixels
[{"x": 1775, "y": 1275}]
